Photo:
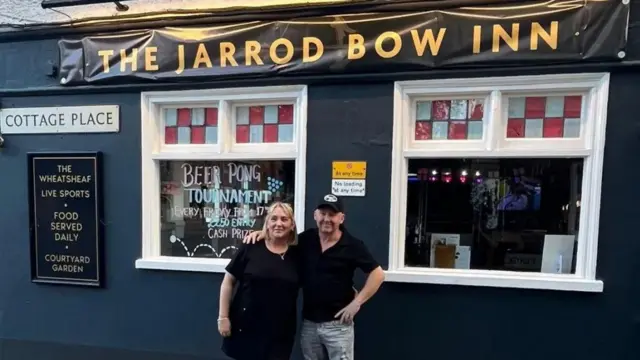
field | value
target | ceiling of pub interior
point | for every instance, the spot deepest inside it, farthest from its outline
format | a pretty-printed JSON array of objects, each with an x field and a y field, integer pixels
[{"x": 24, "y": 12}]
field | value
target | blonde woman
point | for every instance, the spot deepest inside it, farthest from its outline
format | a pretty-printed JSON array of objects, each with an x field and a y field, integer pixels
[{"x": 259, "y": 323}]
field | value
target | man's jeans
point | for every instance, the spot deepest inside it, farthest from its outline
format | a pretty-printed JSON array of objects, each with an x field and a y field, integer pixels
[{"x": 327, "y": 341}]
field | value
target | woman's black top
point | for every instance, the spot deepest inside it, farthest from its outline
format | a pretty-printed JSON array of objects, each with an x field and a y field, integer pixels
[{"x": 263, "y": 310}]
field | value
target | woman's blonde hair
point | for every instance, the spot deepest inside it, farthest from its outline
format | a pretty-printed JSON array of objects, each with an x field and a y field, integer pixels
[{"x": 288, "y": 210}]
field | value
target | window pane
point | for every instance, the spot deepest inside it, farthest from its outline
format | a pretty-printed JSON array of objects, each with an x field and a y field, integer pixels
[
  {"x": 494, "y": 214},
  {"x": 191, "y": 126},
  {"x": 544, "y": 117},
  {"x": 449, "y": 119},
  {"x": 207, "y": 207},
  {"x": 264, "y": 124}
]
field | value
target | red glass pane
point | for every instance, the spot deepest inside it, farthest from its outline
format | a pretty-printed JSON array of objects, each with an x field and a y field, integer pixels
[
  {"x": 256, "y": 115},
  {"x": 572, "y": 106},
  {"x": 184, "y": 117},
  {"x": 534, "y": 108},
  {"x": 515, "y": 128},
  {"x": 197, "y": 135},
  {"x": 285, "y": 114},
  {"x": 458, "y": 130},
  {"x": 270, "y": 133},
  {"x": 423, "y": 130},
  {"x": 441, "y": 109},
  {"x": 211, "y": 117},
  {"x": 242, "y": 133},
  {"x": 170, "y": 135},
  {"x": 553, "y": 127},
  {"x": 476, "y": 110}
]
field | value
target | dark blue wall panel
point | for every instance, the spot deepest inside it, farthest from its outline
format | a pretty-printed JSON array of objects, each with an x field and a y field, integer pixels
[{"x": 151, "y": 315}]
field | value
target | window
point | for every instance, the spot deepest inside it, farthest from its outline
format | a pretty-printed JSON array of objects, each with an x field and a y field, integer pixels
[
  {"x": 497, "y": 181},
  {"x": 213, "y": 161}
]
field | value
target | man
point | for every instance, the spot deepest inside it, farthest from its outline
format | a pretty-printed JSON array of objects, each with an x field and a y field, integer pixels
[{"x": 329, "y": 257}]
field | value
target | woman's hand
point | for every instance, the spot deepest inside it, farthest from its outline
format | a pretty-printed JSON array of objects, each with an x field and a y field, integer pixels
[
  {"x": 224, "y": 327},
  {"x": 253, "y": 237}
]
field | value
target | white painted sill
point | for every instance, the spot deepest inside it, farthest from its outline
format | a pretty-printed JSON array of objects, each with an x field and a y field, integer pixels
[
  {"x": 502, "y": 279},
  {"x": 183, "y": 264}
]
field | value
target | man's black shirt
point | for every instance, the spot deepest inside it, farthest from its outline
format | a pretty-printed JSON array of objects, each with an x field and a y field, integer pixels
[{"x": 327, "y": 278}]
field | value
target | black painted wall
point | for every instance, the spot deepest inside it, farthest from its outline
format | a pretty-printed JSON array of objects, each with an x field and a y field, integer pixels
[{"x": 162, "y": 315}]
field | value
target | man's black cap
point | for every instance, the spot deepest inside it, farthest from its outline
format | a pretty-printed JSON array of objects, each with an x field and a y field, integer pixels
[{"x": 332, "y": 202}]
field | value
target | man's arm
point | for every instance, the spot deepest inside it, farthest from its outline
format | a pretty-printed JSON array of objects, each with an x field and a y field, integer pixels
[
  {"x": 375, "y": 278},
  {"x": 259, "y": 235},
  {"x": 253, "y": 237},
  {"x": 371, "y": 286}
]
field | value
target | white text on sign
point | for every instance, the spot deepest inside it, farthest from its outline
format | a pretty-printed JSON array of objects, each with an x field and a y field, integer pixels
[{"x": 60, "y": 120}]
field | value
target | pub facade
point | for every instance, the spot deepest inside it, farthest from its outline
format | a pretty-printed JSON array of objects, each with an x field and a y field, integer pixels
[{"x": 484, "y": 151}]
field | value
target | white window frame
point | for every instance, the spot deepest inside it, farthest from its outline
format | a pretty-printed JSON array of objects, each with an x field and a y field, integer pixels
[
  {"x": 590, "y": 146},
  {"x": 154, "y": 150}
]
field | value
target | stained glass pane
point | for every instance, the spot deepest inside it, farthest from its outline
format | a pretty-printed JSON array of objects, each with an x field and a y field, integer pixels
[
  {"x": 191, "y": 126},
  {"x": 264, "y": 124},
  {"x": 544, "y": 117},
  {"x": 455, "y": 119}
]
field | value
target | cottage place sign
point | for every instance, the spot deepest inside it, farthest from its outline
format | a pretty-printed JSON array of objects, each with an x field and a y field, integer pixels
[
  {"x": 68, "y": 119},
  {"x": 549, "y": 31}
]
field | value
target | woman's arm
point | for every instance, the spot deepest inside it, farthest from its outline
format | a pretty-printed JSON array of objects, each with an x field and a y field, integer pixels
[{"x": 226, "y": 290}]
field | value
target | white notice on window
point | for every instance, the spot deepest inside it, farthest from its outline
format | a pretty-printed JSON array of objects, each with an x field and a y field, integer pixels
[
  {"x": 60, "y": 120},
  {"x": 348, "y": 187}
]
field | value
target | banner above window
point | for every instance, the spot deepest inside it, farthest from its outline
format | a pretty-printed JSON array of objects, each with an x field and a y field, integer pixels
[{"x": 533, "y": 34}]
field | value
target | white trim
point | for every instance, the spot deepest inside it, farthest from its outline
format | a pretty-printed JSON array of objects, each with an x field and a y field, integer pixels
[
  {"x": 182, "y": 264},
  {"x": 153, "y": 150},
  {"x": 590, "y": 146},
  {"x": 496, "y": 279}
]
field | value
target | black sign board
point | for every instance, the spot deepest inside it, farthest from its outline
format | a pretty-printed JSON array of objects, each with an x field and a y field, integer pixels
[
  {"x": 65, "y": 200},
  {"x": 532, "y": 33}
]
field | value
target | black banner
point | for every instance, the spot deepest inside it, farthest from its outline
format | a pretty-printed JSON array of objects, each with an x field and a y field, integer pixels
[
  {"x": 66, "y": 218},
  {"x": 537, "y": 32}
]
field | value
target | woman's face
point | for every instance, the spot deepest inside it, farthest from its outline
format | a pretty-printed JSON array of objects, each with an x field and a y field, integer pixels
[{"x": 280, "y": 224}]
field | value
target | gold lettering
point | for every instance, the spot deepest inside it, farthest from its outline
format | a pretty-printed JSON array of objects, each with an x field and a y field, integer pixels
[
  {"x": 132, "y": 59},
  {"x": 251, "y": 52},
  {"x": 499, "y": 33},
  {"x": 273, "y": 51},
  {"x": 356, "y": 47},
  {"x": 105, "y": 59},
  {"x": 551, "y": 37},
  {"x": 227, "y": 50},
  {"x": 477, "y": 38},
  {"x": 306, "y": 42},
  {"x": 397, "y": 44},
  {"x": 427, "y": 40},
  {"x": 202, "y": 57},
  {"x": 150, "y": 58},
  {"x": 181, "y": 61}
]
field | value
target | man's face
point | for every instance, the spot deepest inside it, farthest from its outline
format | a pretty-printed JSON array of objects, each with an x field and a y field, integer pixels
[{"x": 328, "y": 220}]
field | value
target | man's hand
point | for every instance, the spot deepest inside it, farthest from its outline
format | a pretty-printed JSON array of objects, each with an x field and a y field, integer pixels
[
  {"x": 347, "y": 314},
  {"x": 253, "y": 237}
]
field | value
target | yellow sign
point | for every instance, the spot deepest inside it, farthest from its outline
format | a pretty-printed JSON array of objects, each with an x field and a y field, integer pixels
[{"x": 349, "y": 169}]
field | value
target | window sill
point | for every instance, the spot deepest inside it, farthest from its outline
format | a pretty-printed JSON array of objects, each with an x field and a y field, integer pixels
[
  {"x": 183, "y": 264},
  {"x": 495, "y": 279}
]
